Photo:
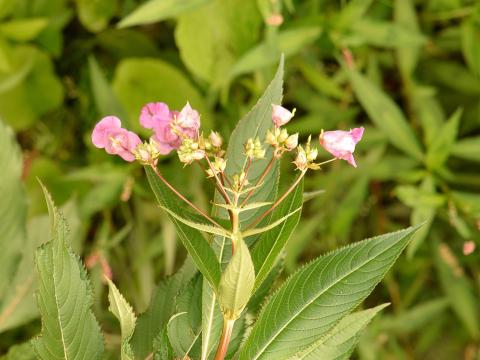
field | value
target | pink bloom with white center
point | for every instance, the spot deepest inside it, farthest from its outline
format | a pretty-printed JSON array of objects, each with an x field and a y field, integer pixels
[
  {"x": 280, "y": 115},
  {"x": 170, "y": 126},
  {"x": 109, "y": 135},
  {"x": 341, "y": 144}
]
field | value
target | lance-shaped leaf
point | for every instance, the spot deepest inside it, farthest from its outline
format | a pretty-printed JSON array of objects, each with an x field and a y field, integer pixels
[
  {"x": 317, "y": 296},
  {"x": 272, "y": 225},
  {"x": 237, "y": 282},
  {"x": 64, "y": 297},
  {"x": 252, "y": 125},
  {"x": 160, "y": 310},
  {"x": 125, "y": 315},
  {"x": 197, "y": 246},
  {"x": 340, "y": 341},
  {"x": 271, "y": 243}
]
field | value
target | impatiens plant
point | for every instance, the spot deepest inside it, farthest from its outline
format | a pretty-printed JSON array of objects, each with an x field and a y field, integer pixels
[{"x": 223, "y": 302}]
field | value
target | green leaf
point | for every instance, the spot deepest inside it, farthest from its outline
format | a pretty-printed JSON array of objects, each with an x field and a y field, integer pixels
[
  {"x": 406, "y": 17},
  {"x": 468, "y": 149},
  {"x": 212, "y": 320},
  {"x": 287, "y": 42},
  {"x": 196, "y": 245},
  {"x": 23, "y": 29},
  {"x": 20, "y": 352},
  {"x": 354, "y": 11},
  {"x": 162, "y": 349},
  {"x": 95, "y": 14},
  {"x": 255, "y": 124},
  {"x": 64, "y": 297},
  {"x": 273, "y": 224},
  {"x": 158, "y": 10},
  {"x": 440, "y": 148},
  {"x": 320, "y": 294},
  {"x": 12, "y": 210},
  {"x": 470, "y": 39},
  {"x": 105, "y": 100},
  {"x": 210, "y": 48},
  {"x": 125, "y": 315},
  {"x": 458, "y": 289},
  {"x": 340, "y": 341},
  {"x": 271, "y": 243},
  {"x": 237, "y": 282},
  {"x": 141, "y": 80},
  {"x": 386, "y": 115},
  {"x": 160, "y": 310},
  {"x": 184, "y": 327}
]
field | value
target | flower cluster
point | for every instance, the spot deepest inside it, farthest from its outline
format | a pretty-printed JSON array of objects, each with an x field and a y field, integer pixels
[{"x": 180, "y": 131}]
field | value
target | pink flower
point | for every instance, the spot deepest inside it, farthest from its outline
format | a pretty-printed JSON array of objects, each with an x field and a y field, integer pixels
[
  {"x": 468, "y": 247},
  {"x": 280, "y": 115},
  {"x": 170, "y": 126},
  {"x": 341, "y": 144},
  {"x": 109, "y": 135},
  {"x": 188, "y": 118}
]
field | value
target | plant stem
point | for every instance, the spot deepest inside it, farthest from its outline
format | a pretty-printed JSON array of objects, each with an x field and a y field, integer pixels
[
  {"x": 279, "y": 200},
  {"x": 219, "y": 183},
  {"x": 262, "y": 177},
  {"x": 225, "y": 339},
  {"x": 200, "y": 211}
]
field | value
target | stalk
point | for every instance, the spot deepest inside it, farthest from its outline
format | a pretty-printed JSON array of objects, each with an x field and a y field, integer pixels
[{"x": 225, "y": 339}]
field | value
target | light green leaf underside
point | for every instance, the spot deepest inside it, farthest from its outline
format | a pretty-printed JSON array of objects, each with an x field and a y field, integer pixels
[
  {"x": 340, "y": 341},
  {"x": 199, "y": 226},
  {"x": 64, "y": 297},
  {"x": 197, "y": 246},
  {"x": 250, "y": 206},
  {"x": 317, "y": 296},
  {"x": 125, "y": 315}
]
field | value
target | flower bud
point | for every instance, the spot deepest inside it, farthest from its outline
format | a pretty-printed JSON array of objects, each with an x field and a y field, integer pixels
[
  {"x": 291, "y": 142},
  {"x": 253, "y": 149},
  {"x": 270, "y": 138},
  {"x": 301, "y": 160},
  {"x": 215, "y": 139},
  {"x": 280, "y": 115}
]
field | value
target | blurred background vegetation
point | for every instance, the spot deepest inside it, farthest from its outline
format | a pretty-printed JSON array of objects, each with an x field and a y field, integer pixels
[{"x": 406, "y": 70}]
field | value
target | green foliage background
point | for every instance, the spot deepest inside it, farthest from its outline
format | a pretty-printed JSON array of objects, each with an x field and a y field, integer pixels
[{"x": 414, "y": 86}]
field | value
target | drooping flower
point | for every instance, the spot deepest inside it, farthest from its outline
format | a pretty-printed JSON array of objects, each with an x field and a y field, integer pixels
[
  {"x": 280, "y": 115},
  {"x": 188, "y": 118},
  {"x": 341, "y": 144},
  {"x": 109, "y": 135}
]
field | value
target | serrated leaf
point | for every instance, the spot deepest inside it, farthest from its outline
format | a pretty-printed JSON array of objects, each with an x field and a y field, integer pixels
[
  {"x": 196, "y": 245},
  {"x": 442, "y": 144},
  {"x": 271, "y": 243},
  {"x": 255, "y": 124},
  {"x": 340, "y": 341},
  {"x": 64, "y": 297},
  {"x": 158, "y": 10},
  {"x": 125, "y": 315},
  {"x": 317, "y": 296},
  {"x": 386, "y": 115},
  {"x": 162, "y": 349},
  {"x": 160, "y": 310},
  {"x": 237, "y": 282}
]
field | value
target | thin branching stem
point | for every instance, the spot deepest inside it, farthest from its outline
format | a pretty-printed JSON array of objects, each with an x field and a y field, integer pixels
[
  {"x": 225, "y": 339},
  {"x": 175, "y": 191},
  {"x": 262, "y": 177},
  {"x": 219, "y": 183},
  {"x": 279, "y": 200}
]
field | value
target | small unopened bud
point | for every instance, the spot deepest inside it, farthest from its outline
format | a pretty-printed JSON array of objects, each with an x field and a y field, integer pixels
[
  {"x": 218, "y": 166},
  {"x": 190, "y": 151},
  {"x": 301, "y": 160},
  {"x": 147, "y": 153},
  {"x": 291, "y": 142},
  {"x": 270, "y": 138},
  {"x": 215, "y": 139},
  {"x": 282, "y": 136},
  {"x": 253, "y": 149},
  {"x": 312, "y": 154},
  {"x": 280, "y": 115}
]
